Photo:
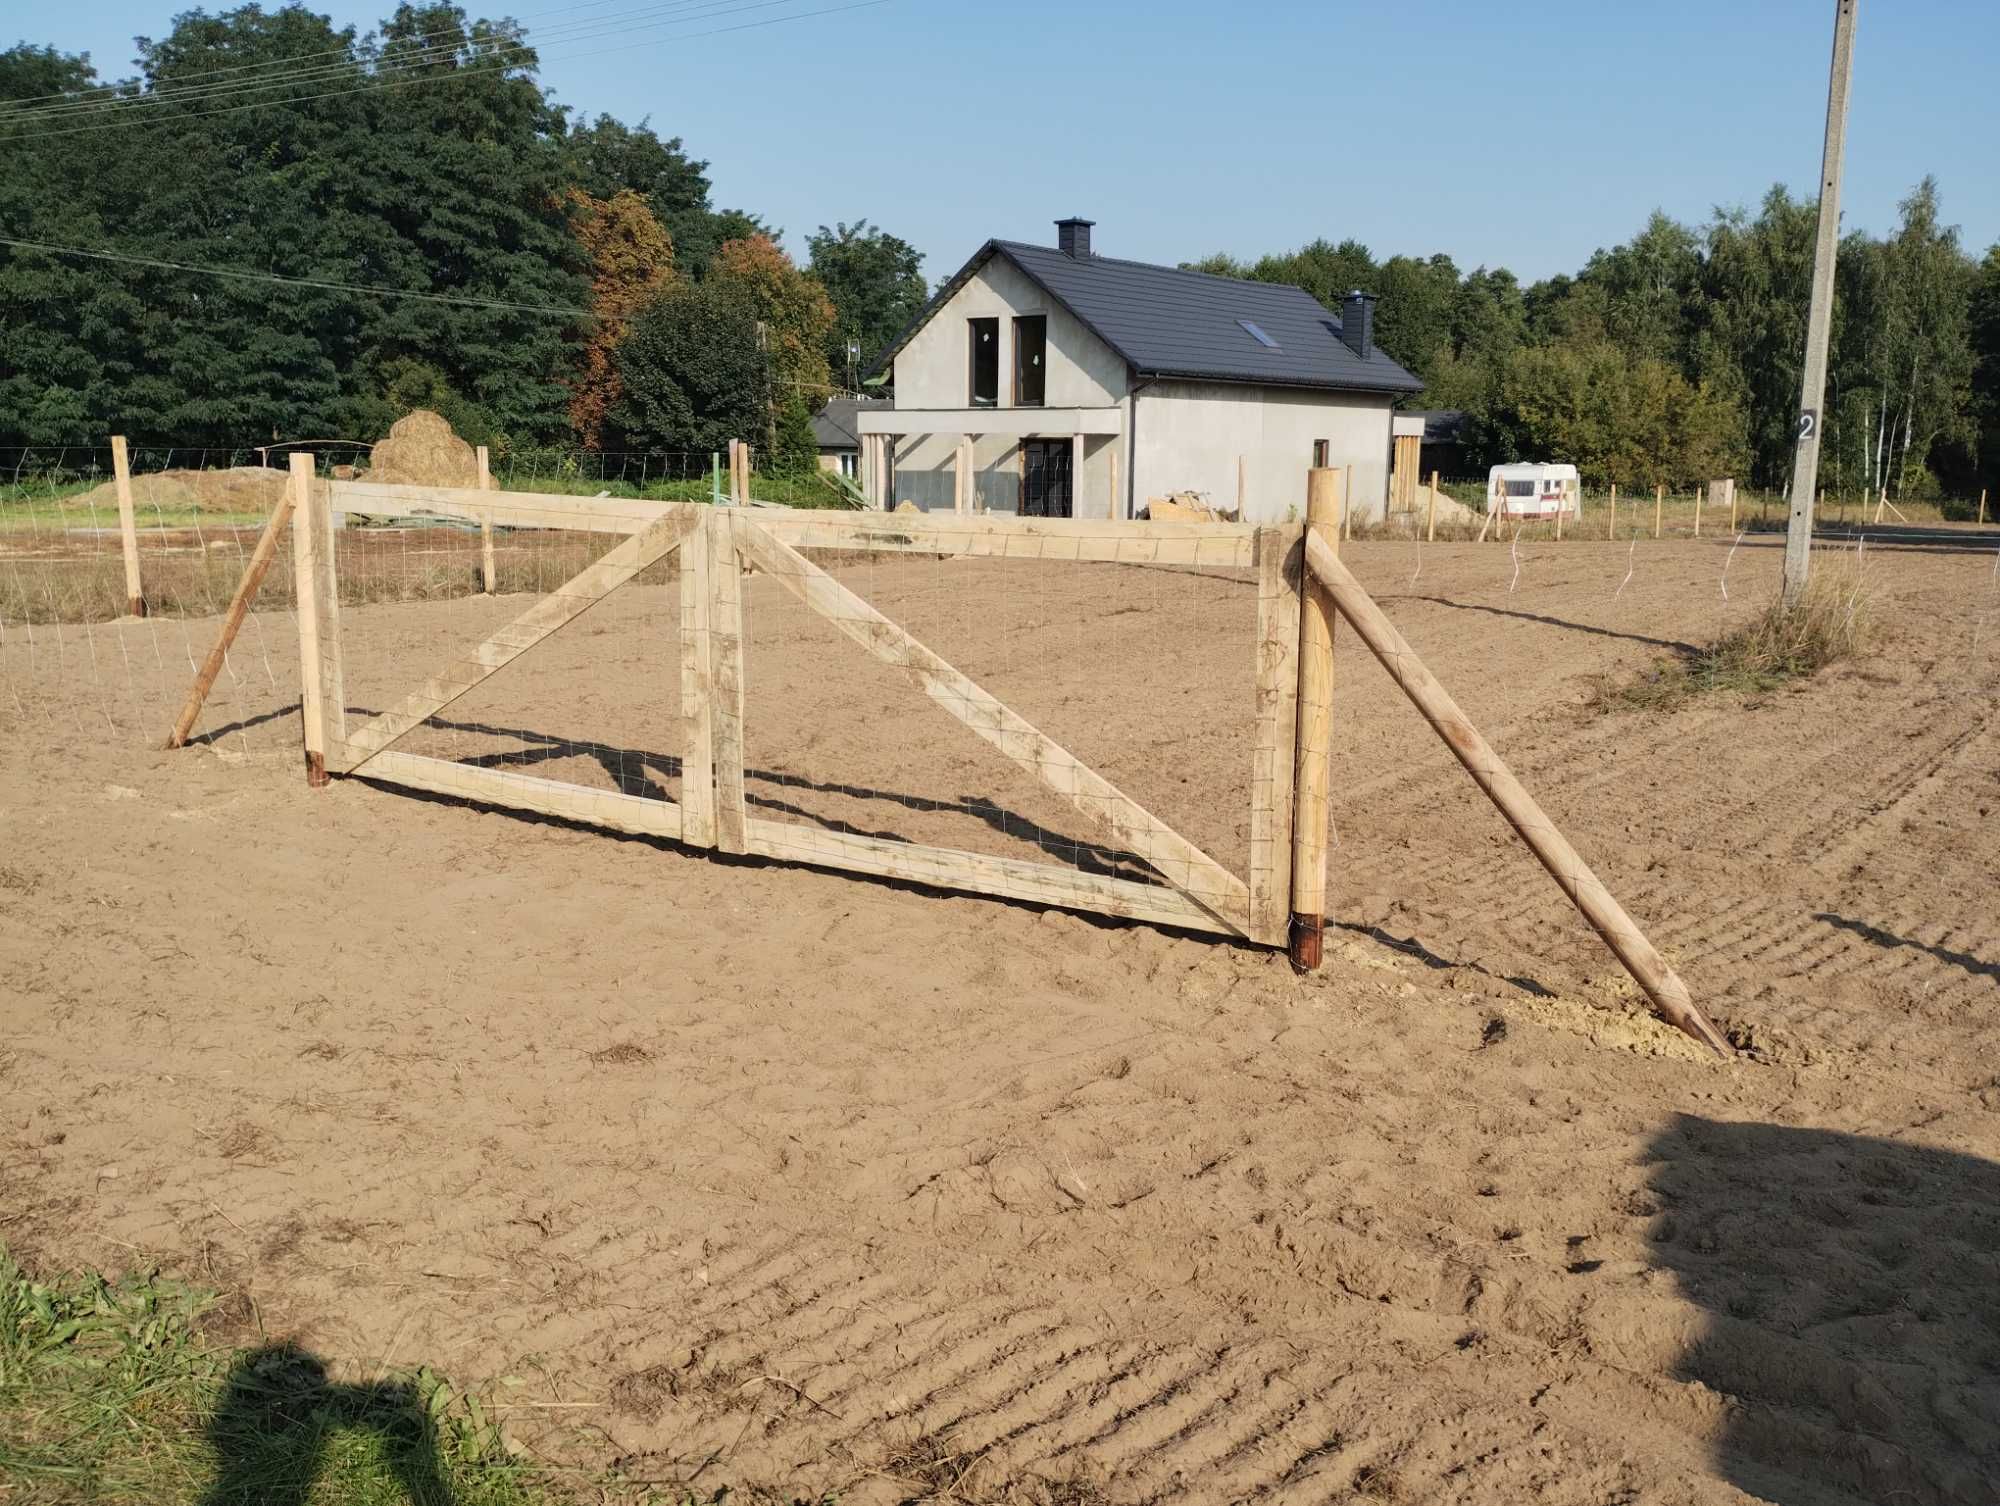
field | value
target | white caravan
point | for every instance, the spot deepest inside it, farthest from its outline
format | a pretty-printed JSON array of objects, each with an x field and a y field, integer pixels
[{"x": 1533, "y": 490}]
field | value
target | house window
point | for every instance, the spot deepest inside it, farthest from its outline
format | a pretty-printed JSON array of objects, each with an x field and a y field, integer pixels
[
  {"x": 1031, "y": 353},
  {"x": 1321, "y": 450},
  {"x": 985, "y": 341},
  {"x": 847, "y": 462}
]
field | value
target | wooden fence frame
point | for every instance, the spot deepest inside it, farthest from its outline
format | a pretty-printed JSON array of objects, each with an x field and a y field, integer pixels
[
  {"x": 716, "y": 546},
  {"x": 1300, "y": 584}
]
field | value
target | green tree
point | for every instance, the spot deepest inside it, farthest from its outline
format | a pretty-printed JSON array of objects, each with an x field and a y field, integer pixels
[
  {"x": 691, "y": 375},
  {"x": 876, "y": 283}
]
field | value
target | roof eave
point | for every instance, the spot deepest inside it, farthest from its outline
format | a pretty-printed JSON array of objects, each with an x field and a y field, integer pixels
[{"x": 1392, "y": 387}]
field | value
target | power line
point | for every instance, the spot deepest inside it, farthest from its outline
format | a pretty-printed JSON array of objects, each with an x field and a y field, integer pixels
[
  {"x": 323, "y": 284},
  {"x": 407, "y": 60},
  {"x": 463, "y": 73},
  {"x": 9, "y": 106}
]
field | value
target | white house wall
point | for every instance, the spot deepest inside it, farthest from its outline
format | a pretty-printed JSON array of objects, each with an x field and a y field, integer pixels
[
  {"x": 1188, "y": 434},
  {"x": 935, "y": 369}
]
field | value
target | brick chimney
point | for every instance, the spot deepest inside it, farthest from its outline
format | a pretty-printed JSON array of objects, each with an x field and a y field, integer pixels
[
  {"x": 1357, "y": 323},
  {"x": 1073, "y": 238}
]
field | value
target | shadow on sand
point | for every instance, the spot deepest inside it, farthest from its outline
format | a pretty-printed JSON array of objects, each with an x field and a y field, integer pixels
[
  {"x": 1851, "y": 1288},
  {"x": 279, "y": 1412}
]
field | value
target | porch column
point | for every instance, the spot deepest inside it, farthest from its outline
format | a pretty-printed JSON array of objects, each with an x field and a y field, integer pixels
[{"x": 1076, "y": 473}]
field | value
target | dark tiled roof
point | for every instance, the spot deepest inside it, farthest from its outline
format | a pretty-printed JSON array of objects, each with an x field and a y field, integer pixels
[
  {"x": 833, "y": 426},
  {"x": 1172, "y": 323}
]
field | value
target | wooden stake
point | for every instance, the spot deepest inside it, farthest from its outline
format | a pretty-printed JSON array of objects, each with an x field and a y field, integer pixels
[
  {"x": 961, "y": 494},
  {"x": 128, "y": 527},
  {"x": 232, "y": 621},
  {"x": 1562, "y": 506},
  {"x": 1431, "y": 513},
  {"x": 322, "y": 693},
  {"x": 1982, "y": 507},
  {"x": 1242, "y": 485},
  {"x": 1731, "y": 485},
  {"x": 1611, "y": 518},
  {"x": 1274, "y": 760},
  {"x": 1325, "y": 500},
  {"x": 1697, "y": 507},
  {"x": 1606, "y": 916},
  {"x": 1881, "y": 506},
  {"x": 487, "y": 574},
  {"x": 1346, "y": 502},
  {"x": 1659, "y": 507},
  {"x": 725, "y": 640}
]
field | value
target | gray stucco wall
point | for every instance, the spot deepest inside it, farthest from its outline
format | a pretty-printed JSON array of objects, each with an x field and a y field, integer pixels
[
  {"x": 1188, "y": 435},
  {"x": 933, "y": 370}
]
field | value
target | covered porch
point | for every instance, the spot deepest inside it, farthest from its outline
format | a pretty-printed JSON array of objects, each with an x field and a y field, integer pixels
[{"x": 1052, "y": 449}]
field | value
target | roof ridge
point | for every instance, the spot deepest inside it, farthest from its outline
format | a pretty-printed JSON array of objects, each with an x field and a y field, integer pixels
[{"x": 1160, "y": 266}]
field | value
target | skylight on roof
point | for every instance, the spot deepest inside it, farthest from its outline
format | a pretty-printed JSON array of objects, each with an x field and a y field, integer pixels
[{"x": 1257, "y": 334}]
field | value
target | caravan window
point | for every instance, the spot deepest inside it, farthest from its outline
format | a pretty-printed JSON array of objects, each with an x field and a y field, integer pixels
[{"x": 1520, "y": 488}]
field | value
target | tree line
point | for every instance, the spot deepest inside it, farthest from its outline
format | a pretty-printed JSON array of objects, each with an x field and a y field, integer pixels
[
  {"x": 567, "y": 282},
  {"x": 1676, "y": 356},
  {"x": 571, "y": 283}
]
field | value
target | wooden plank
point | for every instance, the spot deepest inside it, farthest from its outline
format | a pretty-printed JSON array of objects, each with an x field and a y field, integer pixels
[
  {"x": 128, "y": 527},
  {"x": 975, "y": 873},
  {"x": 697, "y": 687},
  {"x": 488, "y": 575},
  {"x": 985, "y": 535},
  {"x": 1178, "y": 860},
  {"x": 1326, "y": 498},
  {"x": 562, "y": 606},
  {"x": 525, "y": 792},
  {"x": 1572, "y": 875},
  {"x": 322, "y": 693},
  {"x": 725, "y": 639},
  {"x": 621, "y": 515},
  {"x": 232, "y": 621},
  {"x": 1273, "y": 768}
]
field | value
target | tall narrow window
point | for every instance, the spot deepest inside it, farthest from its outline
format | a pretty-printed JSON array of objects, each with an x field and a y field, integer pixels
[
  {"x": 985, "y": 340},
  {"x": 1031, "y": 360}
]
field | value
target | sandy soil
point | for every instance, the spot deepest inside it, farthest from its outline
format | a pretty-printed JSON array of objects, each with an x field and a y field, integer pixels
[{"x": 775, "y": 1178}]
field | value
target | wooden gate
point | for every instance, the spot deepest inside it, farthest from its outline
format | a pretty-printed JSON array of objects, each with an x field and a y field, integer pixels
[{"x": 715, "y": 548}]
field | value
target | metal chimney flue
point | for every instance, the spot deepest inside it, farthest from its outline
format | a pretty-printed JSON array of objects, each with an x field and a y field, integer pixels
[
  {"x": 1357, "y": 323},
  {"x": 1073, "y": 238}
]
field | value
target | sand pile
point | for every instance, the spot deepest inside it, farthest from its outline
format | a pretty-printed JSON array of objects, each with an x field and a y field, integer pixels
[
  {"x": 240, "y": 489},
  {"x": 421, "y": 450}
]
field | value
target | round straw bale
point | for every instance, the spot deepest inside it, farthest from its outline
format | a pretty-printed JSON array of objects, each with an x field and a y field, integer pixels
[{"x": 421, "y": 450}]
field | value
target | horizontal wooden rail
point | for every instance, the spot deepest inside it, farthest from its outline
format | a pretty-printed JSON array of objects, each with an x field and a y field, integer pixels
[
  {"x": 526, "y": 792},
  {"x": 989, "y": 536},
  {"x": 1585, "y": 890},
  {"x": 976, "y": 873}
]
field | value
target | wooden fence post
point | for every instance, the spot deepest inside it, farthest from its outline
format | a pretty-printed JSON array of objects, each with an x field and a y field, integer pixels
[
  {"x": 1325, "y": 505},
  {"x": 487, "y": 574},
  {"x": 239, "y": 606},
  {"x": 1982, "y": 507},
  {"x": 1242, "y": 484},
  {"x": 322, "y": 692},
  {"x": 1731, "y": 485},
  {"x": 1585, "y": 890},
  {"x": 128, "y": 527},
  {"x": 1562, "y": 506},
  {"x": 1431, "y": 513},
  {"x": 1697, "y": 506},
  {"x": 1346, "y": 502},
  {"x": 1611, "y": 518},
  {"x": 1659, "y": 506}
]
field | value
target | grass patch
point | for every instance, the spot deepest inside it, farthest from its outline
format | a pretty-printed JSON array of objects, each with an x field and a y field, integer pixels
[
  {"x": 115, "y": 1392},
  {"x": 1832, "y": 620}
]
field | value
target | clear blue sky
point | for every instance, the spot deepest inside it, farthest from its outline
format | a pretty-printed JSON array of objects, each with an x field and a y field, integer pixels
[{"x": 1523, "y": 134}]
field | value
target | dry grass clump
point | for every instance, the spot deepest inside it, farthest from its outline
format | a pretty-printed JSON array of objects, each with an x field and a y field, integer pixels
[
  {"x": 421, "y": 450},
  {"x": 1832, "y": 620}
]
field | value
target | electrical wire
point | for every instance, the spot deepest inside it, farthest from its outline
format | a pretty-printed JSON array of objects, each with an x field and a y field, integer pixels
[
  {"x": 8, "y": 106},
  {"x": 463, "y": 73},
  {"x": 323, "y": 284},
  {"x": 481, "y": 49}
]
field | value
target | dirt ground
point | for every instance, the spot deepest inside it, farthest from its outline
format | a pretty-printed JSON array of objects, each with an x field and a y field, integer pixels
[{"x": 730, "y": 1173}]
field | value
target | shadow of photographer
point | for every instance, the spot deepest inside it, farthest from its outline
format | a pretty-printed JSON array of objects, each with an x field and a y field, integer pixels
[
  {"x": 279, "y": 1413},
  {"x": 1851, "y": 1288}
]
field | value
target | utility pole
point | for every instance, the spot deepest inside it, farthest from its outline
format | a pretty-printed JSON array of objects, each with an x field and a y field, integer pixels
[{"x": 1819, "y": 319}]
